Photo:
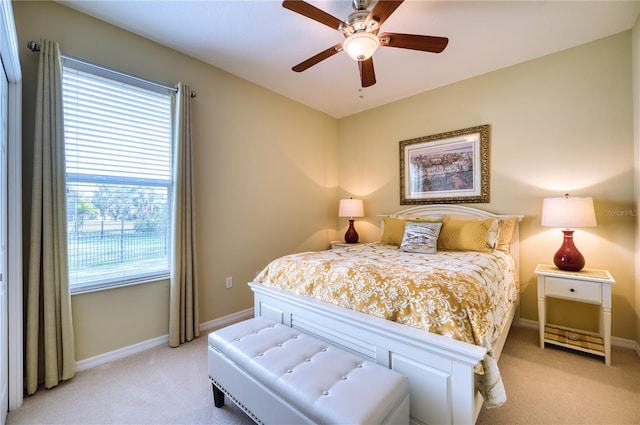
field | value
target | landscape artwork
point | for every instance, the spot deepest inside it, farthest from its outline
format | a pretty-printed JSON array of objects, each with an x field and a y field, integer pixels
[{"x": 446, "y": 167}]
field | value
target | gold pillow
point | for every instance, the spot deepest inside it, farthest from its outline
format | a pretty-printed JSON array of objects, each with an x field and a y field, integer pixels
[
  {"x": 393, "y": 231},
  {"x": 393, "y": 228},
  {"x": 466, "y": 234},
  {"x": 494, "y": 229},
  {"x": 507, "y": 225}
]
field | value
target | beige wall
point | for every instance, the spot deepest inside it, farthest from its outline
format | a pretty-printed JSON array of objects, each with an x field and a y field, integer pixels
[
  {"x": 636, "y": 133},
  {"x": 267, "y": 167},
  {"x": 561, "y": 123},
  {"x": 266, "y": 171}
]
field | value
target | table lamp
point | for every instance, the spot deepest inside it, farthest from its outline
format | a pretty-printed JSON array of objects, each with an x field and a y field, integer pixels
[
  {"x": 568, "y": 213},
  {"x": 351, "y": 208}
]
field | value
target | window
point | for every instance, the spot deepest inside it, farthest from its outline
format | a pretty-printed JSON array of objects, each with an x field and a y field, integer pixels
[{"x": 118, "y": 164}]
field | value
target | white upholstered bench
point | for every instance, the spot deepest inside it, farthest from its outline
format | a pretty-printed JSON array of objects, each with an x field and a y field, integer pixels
[{"x": 279, "y": 375}]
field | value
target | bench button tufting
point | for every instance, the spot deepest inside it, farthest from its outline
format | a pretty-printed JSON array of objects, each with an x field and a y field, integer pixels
[{"x": 328, "y": 361}]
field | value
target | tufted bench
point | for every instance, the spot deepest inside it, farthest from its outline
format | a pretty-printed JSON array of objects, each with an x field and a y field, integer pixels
[{"x": 279, "y": 375}]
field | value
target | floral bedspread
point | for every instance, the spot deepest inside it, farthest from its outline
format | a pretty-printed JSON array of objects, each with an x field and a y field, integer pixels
[{"x": 462, "y": 295}]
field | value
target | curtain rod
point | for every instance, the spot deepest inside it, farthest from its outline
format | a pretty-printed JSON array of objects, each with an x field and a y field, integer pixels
[{"x": 35, "y": 47}]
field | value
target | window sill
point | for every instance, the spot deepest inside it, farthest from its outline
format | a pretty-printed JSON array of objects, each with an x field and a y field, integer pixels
[{"x": 96, "y": 287}]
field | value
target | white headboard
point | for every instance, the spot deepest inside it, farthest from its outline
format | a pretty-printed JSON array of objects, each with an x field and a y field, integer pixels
[{"x": 438, "y": 210}]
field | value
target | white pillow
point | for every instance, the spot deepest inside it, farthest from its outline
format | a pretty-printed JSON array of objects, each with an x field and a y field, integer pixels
[{"x": 420, "y": 237}]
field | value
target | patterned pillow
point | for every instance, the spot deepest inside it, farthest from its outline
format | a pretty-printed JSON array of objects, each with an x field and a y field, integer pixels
[
  {"x": 393, "y": 228},
  {"x": 420, "y": 237}
]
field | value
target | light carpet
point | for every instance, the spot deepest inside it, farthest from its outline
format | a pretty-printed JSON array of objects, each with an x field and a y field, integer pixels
[
  {"x": 170, "y": 386},
  {"x": 560, "y": 386},
  {"x": 160, "y": 386}
]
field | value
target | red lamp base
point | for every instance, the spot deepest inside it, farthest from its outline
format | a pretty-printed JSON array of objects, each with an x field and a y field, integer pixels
[
  {"x": 351, "y": 236},
  {"x": 568, "y": 257}
]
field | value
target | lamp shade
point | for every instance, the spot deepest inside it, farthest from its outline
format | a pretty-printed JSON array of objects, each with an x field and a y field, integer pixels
[
  {"x": 351, "y": 208},
  {"x": 568, "y": 212},
  {"x": 361, "y": 45}
]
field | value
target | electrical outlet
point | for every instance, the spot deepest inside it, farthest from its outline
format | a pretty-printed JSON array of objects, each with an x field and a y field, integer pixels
[{"x": 229, "y": 282}]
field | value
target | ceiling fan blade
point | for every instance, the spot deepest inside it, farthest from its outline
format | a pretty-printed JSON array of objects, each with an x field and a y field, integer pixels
[
  {"x": 312, "y": 12},
  {"x": 382, "y": 10},
  {"x": 367, "y": 74},
  {"x": 424, "y": 43},
  {"x": 318, "y": 58}
]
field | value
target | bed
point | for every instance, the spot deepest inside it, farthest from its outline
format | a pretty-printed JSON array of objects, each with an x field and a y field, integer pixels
[{"x": 449, "y": 356}]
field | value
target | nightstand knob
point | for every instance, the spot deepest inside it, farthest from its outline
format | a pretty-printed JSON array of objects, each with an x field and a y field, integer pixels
[{"x": 572, "y": 290}]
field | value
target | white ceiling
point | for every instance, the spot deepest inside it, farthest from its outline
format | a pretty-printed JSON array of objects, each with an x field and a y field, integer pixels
[{"x": 260, "y": 41}]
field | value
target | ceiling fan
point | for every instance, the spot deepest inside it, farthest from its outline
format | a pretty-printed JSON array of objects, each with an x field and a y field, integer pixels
[{"x": 361, "y": 34}]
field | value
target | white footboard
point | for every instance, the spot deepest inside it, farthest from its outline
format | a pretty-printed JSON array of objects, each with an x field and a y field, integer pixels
[{"x": 440, "y": 369}]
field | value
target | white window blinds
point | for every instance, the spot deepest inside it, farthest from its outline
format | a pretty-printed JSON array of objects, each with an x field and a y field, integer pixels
[{"x": 118, "y": 162}]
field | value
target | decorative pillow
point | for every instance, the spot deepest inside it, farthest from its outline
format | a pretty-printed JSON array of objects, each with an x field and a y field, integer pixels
[
  {"x": 470, "y": 234},
  {"x": 507, "y": 225},
  {"x": 420, "y": 237},
  {"x": 392, "y": 231},
  {"x": 393, "y": 228},
  {"x": 494, "y": 229}
]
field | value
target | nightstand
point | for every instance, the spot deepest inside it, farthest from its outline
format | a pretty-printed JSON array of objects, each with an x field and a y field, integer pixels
[
  {"x": 341, "y": 244},
  {"x": 587, "y": 286}
]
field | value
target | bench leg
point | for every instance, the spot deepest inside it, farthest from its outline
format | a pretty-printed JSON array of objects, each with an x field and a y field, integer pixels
[{"x": 218, "y": 396}]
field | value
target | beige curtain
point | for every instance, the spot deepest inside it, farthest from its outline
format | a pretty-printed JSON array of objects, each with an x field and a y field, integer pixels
[
  {"x": 184, "y": 324},
  {"x": 50, "y": 352}
]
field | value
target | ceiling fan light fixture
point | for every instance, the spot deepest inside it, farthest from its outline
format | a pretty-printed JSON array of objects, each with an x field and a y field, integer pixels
[{"x": 361, "y": 45}]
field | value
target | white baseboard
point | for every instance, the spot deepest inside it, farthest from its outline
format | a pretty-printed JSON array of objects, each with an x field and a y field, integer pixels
[
  {"x": 226, "y": 320},
  {"x": 156, "y": 342},
  {"x": 618, "y": 342},
  {"x": 121, "y": 353}
]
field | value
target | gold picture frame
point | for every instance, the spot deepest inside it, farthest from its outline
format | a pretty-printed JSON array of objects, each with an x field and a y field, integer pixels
[{"x": 451, "y": 167}]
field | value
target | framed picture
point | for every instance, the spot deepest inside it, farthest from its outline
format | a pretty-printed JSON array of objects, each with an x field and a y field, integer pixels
[{"x": 451, "y": 167}]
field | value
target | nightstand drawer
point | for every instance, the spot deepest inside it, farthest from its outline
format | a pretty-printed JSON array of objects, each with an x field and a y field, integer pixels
[{"x": 590, "y": 292}]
